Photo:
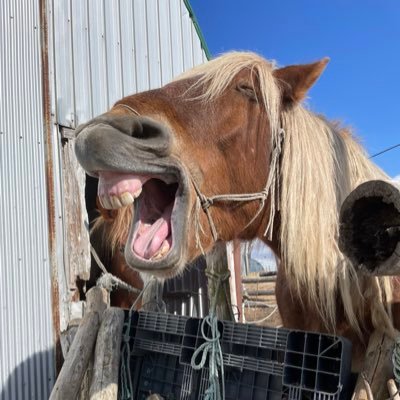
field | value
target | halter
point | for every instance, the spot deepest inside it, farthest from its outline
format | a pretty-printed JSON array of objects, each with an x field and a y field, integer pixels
[{"x": 205, "y": 202}]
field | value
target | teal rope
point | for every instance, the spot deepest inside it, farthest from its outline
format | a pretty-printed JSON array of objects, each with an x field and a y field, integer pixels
[{"x": 212, "y": 348}]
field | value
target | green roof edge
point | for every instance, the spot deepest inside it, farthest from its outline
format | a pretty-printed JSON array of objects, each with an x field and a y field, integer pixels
[{"x": 198, "y": 29}]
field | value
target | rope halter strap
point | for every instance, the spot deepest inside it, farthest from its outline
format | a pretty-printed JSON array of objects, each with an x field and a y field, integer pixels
[{"x": 205, "y": 202}]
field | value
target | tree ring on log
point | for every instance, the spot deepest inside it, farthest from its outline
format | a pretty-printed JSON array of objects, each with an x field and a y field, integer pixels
[{"x": 369, "y": 232}]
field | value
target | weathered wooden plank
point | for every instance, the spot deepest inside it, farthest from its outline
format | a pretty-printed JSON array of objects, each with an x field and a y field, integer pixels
[
  {"x": 70, "y": 378},
  {"x": 370, "y": 228},
  {"x": 76, "y": 240},
  {"x": 104, "y": 385}
]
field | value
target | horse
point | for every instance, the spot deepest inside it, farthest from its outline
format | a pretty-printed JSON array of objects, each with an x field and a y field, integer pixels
[{"x": 229, "y": 150}]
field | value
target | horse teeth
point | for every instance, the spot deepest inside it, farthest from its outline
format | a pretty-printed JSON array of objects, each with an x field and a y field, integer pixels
[
  {"x": 126, "y": 198},
  {"x": 162, "y": 252},
  {"x": 137, "y": 193},
  {"x": 156, "y": 257},
  {"x": 113, "y": 202},
  {"x": 105, "y": 202}
]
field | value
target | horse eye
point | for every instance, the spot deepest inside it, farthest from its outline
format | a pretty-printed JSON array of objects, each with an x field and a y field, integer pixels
[{"x": 247, "y": 91}]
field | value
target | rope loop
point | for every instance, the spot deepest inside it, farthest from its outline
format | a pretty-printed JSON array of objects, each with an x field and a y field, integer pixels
[{"x": 211, "y": 349}]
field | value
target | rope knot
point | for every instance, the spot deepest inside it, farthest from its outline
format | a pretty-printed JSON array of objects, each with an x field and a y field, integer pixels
[{"x": 206, "y": 202}]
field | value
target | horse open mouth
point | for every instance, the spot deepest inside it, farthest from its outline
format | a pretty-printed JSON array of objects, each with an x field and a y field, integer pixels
[{"x": 158, "y": 215}]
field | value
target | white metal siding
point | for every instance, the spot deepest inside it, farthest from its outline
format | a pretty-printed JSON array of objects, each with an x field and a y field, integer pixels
[
  {"x": 105, "y": 50},
  {"x": 26, "y": 333},
  {"x": 99, "y": 52}
]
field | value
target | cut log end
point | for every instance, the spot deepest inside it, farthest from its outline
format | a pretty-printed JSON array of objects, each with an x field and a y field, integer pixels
[{"x": 370, "y": 228}]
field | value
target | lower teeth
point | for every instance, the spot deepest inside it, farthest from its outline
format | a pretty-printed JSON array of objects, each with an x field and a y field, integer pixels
[{"x": 162, "y": 252}]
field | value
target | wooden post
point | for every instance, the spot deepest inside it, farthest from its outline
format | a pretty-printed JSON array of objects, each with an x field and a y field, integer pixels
[
  {"x": 152, "y": 295},
  {"x": 370, "y": 228},
  {"x": 393, "y": 391},
  {"x": 70, "y": 378},
  {"x": 377, "y": 369},
  {"x": 75, "y": 372},
  {"x": 104, "y": 384},
  {"x": 217, "y": 265},
  {"x": 97, "y": 300}
]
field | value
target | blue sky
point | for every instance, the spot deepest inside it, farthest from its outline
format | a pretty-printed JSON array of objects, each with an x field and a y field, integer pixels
[{"x": 361, "y": 85}]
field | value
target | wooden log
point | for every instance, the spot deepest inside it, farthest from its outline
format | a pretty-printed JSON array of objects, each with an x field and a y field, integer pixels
[
  {"x": 260, "y": 292},
  {"x": 267, "y": 273},
  {"x": 67, "y": 337},
  {"x": 370, "y": 228},
  {"x": 104, "y": 384},
  {"x": 152, "y": 296},
  {"x": 392, "y": 389},
  {"x": 217, "y": 265},
  {"x": 70, "y": 378},
  {"x": 258, "y": 304},
  {"x": 261, "y": 279},
  {"x": 377, "y": 369},
  {"x": 97, "y": 300}
]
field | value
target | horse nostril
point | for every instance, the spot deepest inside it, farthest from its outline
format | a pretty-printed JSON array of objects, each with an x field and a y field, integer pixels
[
  {"x": 153, "y": 135},
  {"x": 141, "y": 128},
  {"x": 149, "y": 129},
  {"x": 135, "y": 128}
]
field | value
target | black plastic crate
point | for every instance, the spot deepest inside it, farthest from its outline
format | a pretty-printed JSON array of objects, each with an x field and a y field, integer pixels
[
  {"x": 260, "y": 363},
  {"x": 163, "y": 374},
  {"x": 317, "y": 363}
]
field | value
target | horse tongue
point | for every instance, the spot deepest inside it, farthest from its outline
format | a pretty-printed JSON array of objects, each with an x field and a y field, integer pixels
[{"x": 150, "y": 239}]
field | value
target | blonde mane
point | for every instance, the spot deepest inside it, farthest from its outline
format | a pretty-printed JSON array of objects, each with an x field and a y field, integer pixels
[{"x": 320, "y": 165}]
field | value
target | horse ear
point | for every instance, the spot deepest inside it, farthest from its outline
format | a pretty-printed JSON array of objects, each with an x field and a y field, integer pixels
[{"x": 296, "y": 80}]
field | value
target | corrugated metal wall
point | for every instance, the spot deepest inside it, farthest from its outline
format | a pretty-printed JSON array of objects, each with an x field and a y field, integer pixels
[
  {"x": 99, "y": 52},
  {"x": 105, "y": 50},
  {"x": 26, "y": 332}
]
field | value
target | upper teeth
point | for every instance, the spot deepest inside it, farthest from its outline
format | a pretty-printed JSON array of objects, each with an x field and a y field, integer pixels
[
  {"x": 117, "y": 201},
  {"x": 117, "y": 189}
]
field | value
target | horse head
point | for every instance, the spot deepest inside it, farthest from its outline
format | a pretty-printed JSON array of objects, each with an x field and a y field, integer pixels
[{"x": 195, "y": 157}]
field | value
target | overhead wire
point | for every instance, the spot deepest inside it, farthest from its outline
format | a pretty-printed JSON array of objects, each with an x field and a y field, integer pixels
[{"x": 385, "y": 150}]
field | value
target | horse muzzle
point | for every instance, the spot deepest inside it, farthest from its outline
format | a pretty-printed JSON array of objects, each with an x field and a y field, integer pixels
[{"x": 132, "y": 158}]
